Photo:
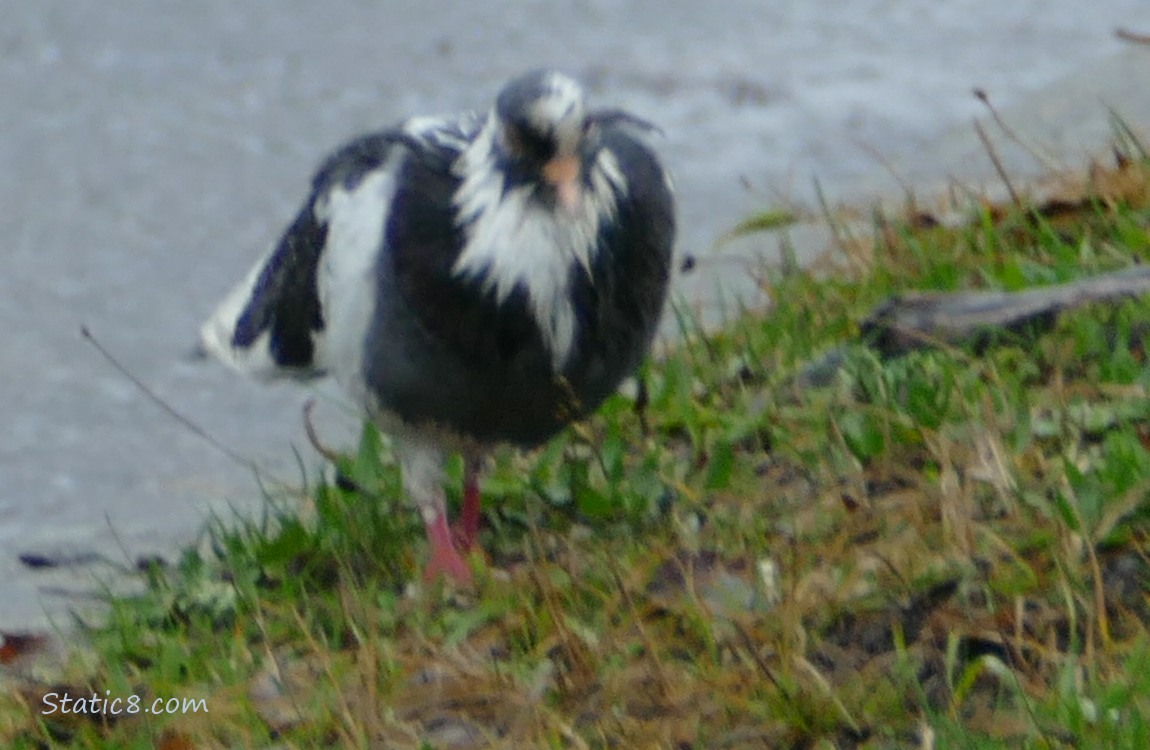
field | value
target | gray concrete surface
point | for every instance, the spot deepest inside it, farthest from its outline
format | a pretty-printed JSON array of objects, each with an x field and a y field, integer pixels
[
  {"x": 1056, "y": 131},
  {"x": 150, "y": 151}
]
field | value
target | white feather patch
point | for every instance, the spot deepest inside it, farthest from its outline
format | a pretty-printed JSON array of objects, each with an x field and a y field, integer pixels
[
  {"x": 421, "y": 466},
  {"x": 216, "y": 333},
  {"x": 512, "y": 239},
  {"x": 562, "y": 109},
  {"x": 346, "y": 279},
  {"x": 453, "y": 132}
]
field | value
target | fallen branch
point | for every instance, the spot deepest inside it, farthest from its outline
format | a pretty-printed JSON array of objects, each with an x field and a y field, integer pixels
[
  {"x": 1132, "y": 36},
  {"x": 918, "y": 320}
]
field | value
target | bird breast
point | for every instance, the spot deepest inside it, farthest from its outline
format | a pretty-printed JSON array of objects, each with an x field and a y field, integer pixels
[{"x": 513, "y": 240}]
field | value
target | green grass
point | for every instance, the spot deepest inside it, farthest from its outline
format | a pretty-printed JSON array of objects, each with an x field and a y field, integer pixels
[{"x": 948, "y": 549}]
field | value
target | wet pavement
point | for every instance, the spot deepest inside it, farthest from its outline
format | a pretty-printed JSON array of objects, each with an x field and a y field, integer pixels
[{"x": 151, "y": 151}]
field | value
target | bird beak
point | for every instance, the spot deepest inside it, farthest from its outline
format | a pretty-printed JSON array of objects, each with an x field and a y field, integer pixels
[{"x": 562, "y": 173}]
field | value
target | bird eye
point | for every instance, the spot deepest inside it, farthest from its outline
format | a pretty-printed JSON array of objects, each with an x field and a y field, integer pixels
[
  {"x": 525, "y": 143},
  {"x": 512, "y": 139},
  {"x": 537, "y": 147},
  {"x": 589, "y": 133}
]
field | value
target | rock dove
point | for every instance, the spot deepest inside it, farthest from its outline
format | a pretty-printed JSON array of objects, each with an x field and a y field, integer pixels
[{"x": 468, "y": 281}]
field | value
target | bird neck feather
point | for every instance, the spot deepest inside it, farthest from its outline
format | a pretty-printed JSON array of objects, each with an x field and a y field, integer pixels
[{"x": 514, "y": 240}]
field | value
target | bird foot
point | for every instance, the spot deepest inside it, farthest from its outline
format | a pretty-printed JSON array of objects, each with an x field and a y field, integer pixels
[
  {"x": 450, "y": 566},
  {"x": 445, "y": 558},
  {"x": 464, "y": 536},
  {"x": 465, "y": 531}
]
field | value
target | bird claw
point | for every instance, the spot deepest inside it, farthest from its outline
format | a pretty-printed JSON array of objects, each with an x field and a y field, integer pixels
[
  {"x": 449, "y": 565},
  {"x": 463, "y": 536},
  {"x": 445, "y": 558}
]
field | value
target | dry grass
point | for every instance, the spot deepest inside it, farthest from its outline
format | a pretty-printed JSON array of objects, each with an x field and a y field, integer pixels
[{"x": 945, "y": 550}]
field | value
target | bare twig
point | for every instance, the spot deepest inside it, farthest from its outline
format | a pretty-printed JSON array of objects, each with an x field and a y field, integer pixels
[
  {"x": 665, "y": 684},
  {"x": 313, "y": 436},
  {"x": 1045, "y": 160},
  {"x": 889, "y": 168},
  {"x": 998, "y": 167},
  {"x": 1132, "y": 36},
  {"x": 156, "y": 399}
]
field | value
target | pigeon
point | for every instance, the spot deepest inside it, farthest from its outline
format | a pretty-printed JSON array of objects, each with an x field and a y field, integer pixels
[{"x": 468, "y": 281}]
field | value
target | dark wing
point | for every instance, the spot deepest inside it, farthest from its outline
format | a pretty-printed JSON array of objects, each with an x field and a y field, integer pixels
[
  {"x": 425, "y": 238},
  {"x": 284, "y": 301},
  {"x": 269, "y": 324},
  {"x": 619, "y": 307}
]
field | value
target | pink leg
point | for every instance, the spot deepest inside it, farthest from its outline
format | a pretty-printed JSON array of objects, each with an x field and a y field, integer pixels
[
  {"x": 445, "y": 559},
  {"x": 466, "y": 530}
]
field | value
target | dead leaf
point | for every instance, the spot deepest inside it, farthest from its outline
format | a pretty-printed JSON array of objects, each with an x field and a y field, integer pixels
[
  {"x": 18, "y": 646},
  {"x": 175, "y": 741}
]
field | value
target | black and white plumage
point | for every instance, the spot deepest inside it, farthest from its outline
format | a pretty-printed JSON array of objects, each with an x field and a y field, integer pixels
[{"x": 469, "y": 281}]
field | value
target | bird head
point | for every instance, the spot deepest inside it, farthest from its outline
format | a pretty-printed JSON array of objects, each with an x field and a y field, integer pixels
[{"x": 544, "y": 134}]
